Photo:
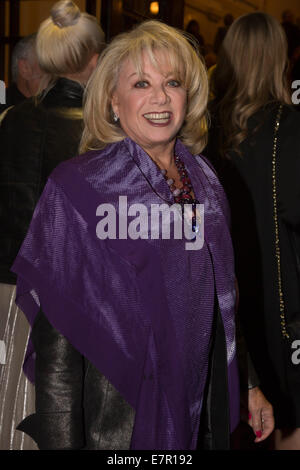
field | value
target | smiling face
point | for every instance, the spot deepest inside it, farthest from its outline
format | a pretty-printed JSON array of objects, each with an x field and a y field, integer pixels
[{"x": 151, "y": 106}]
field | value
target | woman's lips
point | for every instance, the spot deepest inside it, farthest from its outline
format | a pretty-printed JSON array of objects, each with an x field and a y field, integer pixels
[{"x": 158, "y": 118}]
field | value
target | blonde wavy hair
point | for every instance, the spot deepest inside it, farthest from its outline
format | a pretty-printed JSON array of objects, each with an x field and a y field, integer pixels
[
  {"x": 250, "y": 74},
  {"x": 148, "y": 37},
  {"x": 67, "y": 40}
]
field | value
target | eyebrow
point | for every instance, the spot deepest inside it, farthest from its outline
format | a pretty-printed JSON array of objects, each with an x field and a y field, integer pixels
[
  {"x": 147, "y": 75},
  {"x": 131, "y": 75}
]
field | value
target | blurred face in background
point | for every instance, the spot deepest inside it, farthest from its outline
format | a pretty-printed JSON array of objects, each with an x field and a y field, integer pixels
[{"x": 29, "y": 75}]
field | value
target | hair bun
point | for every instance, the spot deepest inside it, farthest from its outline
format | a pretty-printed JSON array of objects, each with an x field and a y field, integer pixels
[{"x": 65, "y": 13}]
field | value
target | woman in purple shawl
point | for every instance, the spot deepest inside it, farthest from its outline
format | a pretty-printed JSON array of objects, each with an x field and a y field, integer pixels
[{"x": 133, "y": 332}]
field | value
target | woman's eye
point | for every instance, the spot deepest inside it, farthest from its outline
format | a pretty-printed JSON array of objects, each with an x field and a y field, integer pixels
[
  {"x": 174, "y": 83},
  {"x": 141, "y": 84}
]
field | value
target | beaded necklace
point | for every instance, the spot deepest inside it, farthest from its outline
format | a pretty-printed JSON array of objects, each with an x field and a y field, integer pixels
[{"x": 182, "y": 196}]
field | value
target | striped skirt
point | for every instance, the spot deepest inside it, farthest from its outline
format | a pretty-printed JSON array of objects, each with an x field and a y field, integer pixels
[{"x": 17, "y": 397}]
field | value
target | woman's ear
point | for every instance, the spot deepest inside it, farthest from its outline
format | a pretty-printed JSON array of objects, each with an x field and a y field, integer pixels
[
  {"x": 94, "y": 59},
  {"x": 115, "y": 104}
]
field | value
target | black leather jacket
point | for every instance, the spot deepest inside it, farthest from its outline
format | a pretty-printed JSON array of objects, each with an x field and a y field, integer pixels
[
  {"x": 34, "y": 139},
  {"x": 77, "y": 408}
]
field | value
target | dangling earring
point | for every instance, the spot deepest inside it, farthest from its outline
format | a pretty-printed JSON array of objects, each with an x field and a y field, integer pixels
[{"x": 115, "y": 117}]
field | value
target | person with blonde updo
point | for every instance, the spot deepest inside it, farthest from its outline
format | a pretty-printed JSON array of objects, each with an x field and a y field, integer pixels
[{"x": 35, "y": 137}]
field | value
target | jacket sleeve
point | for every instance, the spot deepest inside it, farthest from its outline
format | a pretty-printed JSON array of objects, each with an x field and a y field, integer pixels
[
  {"x": 288, "y": 187},
  {"x": 58, "y": 421}
]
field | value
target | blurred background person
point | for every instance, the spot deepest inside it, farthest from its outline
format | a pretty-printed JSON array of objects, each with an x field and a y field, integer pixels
[
  {"x": 193, "y": 28},
  {"x": 295, "y": 72},
  {"x": 260, "y": 175},
  {"x": 291, "y": 30},
  {"x": 294, "y": 67},
  {"x": 221, "y": 33},
  {"x": 35, "y": 136},
  {"x": 210, "y": 57},
  {"x": 25, "y": 69},
  {"x": 25, "y": 72}
]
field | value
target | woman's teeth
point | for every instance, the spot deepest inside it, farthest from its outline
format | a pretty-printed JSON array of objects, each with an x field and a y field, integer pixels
[{"x": 159, "y": 118}]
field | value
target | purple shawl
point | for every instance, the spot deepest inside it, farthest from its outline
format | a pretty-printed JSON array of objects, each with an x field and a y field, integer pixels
[{"x": 140, "y": 310}]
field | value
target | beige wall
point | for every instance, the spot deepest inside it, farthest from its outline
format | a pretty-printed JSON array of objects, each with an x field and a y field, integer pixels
[
  {"x": 33, "y": 12},
  {"x": 276, "y": 7}
]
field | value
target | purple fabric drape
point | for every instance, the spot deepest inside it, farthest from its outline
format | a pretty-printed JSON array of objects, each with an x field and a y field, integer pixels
[{"x": 140, "y": 310}]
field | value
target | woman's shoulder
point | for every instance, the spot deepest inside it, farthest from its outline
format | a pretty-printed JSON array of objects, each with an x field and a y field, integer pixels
[
  {"x": 269, "y": 113},
  {"x": 93, "y": 163},
  {"x": 64, "y": 93},
  {"x": 261, "y": 128},
  {"x": 79, "y": 183},
  {"x": 205, "y": 163},
  {"x": 290, "y": 121}
]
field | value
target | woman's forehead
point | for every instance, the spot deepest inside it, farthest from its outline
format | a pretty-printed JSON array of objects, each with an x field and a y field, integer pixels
[{"x": 161, "y": 59}]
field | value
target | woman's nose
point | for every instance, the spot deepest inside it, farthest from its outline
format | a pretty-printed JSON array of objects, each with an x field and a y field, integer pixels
[{"x": 159, "y": 95}]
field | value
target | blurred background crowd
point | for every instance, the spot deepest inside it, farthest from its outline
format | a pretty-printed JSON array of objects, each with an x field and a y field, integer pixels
[{"x": 208, "y": 21}]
